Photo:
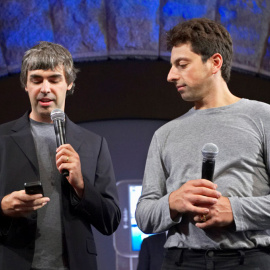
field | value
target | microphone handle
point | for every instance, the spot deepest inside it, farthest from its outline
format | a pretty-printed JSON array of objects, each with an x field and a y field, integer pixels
[
  {"x": 59, "y": 128},
  {"x": 65, "y": 172},
  {"x": 208, "y": 167}
]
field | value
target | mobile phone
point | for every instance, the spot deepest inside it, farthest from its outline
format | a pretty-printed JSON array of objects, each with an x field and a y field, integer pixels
[{"x": 33, "y": 188}]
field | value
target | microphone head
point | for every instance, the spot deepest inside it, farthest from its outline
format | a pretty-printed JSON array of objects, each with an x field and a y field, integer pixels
[
  {"x": 209, "y": 151},
  {"x": 58, "y": 114}
]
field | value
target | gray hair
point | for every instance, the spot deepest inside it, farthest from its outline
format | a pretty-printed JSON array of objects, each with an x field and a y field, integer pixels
[{"x": 48, "y": 55}]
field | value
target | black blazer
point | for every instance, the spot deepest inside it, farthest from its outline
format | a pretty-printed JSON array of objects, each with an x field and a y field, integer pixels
[{"x": 98, "y": 207}]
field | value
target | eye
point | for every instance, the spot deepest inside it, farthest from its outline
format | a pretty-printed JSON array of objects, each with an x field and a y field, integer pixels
[
  {"x": 54, "y": 81},
  {"x": 36, "y": 81},
  {"x": 183, "y": 65}
]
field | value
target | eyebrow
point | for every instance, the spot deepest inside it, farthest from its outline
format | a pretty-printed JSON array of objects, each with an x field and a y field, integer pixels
[{"x": 54, "y": 76}]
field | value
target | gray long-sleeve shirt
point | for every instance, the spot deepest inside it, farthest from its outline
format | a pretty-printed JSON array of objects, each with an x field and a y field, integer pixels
[{"x": 242, "y": 133}]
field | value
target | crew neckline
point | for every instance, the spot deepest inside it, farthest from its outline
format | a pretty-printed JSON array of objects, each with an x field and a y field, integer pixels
[
  {"x": 216, "y": 109},
  {"x": 39, "y": 123}
]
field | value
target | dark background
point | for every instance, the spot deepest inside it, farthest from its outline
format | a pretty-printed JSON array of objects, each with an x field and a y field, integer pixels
[{"x": 125, "y": 89}]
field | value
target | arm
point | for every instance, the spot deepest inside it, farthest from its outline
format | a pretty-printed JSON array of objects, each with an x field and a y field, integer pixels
[
  {"x": 251, "y": 213},
  {"x": 247, "y": 206},
  {"x": 98, "y": 199},
  {"x": 158, "y": 209}
]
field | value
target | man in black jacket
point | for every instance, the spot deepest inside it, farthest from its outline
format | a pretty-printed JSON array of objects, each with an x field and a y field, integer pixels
[{"x": 54, "y": 231}]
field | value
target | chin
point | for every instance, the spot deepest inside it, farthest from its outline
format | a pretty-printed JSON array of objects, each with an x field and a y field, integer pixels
[
  {"x": 45, "y": 112},
  {"x": 187, "y": 98}
]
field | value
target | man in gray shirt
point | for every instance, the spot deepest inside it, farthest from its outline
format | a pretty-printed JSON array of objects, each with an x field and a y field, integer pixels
[{"x": 223, "y": 224}]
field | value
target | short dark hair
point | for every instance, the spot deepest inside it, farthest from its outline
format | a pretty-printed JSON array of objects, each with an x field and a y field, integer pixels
[
  {"x": 206, "y": 37},
  {"x": 48, "y": 55}
]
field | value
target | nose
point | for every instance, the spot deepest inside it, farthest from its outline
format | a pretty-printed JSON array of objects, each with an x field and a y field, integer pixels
[
  {"x": 172, "y": 75},
  {"x": 45, "y": 87}
]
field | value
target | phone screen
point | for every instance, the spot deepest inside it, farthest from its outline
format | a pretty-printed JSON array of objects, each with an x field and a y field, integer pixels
[
  {"x": 137, "y": 235},
  {"x": 128, "y": 237}
]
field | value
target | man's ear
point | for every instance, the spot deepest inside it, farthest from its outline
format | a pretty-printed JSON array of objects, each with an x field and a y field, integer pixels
[
  {"x": 217, "y": 62},
  {"x": 70, "y": 86}
]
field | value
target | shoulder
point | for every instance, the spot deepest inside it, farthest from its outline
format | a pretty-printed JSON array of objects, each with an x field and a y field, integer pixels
[
  {"x": 8, "y": 127},
  {"x": 83, "y": 134},
  {"x": 174, "y": 124},
  {"x": 255, "y": 107}
]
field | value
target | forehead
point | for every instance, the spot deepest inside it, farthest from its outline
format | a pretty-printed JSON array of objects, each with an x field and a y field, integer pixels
[
  {"x": 58, "y": 71},
  {"x": 183, "y": 52}
]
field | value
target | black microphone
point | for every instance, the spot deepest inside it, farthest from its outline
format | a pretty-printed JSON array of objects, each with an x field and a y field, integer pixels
[
  {"x": 58, "y": 118},
  {"x": 209, "y": 152}
]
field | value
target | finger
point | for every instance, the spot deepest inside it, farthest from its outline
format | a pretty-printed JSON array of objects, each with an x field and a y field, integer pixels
[
  {"x": 202, "y": 200},
  {"x": 203, "y": 183},
  {"x": 29, "y": 205},
  {"x": 65, "y": 159},
  {"x": 63, "y": 155},
  {"x": 207, "y": 192},
  {"x": 204, "y": 225},
  {"x": 41, "y": 201},
  {"x": 28, "y": 197},
  {"x": 64, "y": 166},
  {"x": 198, "y": 210},
  {"x": 64, "y": 147},
  {"x": 201, "y": 218}
]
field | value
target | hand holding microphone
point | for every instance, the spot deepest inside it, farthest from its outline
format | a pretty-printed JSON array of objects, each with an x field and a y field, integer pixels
[
  {"x": 71, "y": 157},
  {"x": 197, "y": 195},
  {"x": 58, "y": 118},
  {"x": 209, "y": 152}
]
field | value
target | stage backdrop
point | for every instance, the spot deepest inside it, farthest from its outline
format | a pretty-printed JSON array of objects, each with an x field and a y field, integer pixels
[{"x": 102, "y": 29}]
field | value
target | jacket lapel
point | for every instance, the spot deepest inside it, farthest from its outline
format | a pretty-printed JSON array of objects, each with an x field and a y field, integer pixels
[
  {"x": 23, "y": 138},
  {"x": 73, "y": 135}
]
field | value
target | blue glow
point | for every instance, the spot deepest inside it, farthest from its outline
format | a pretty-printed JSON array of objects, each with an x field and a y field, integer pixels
[
  {"x": 139, "y": 10},
  {"x": 94, "y": 31},
  {"x": 187, "y": 11},
  {"x": 241, "y": 50},
  {"x": 2, "y": 61},
  {"x": 256, "y": 8},
  {"x": 154, "y": 34},
  {"x": 133, "y": 25},
  {"x": 226, "y": 14},
  {"x": 233, "y": 2},
  {"x": 136, "y": 24},
  {"x": 244, "y": 33}
]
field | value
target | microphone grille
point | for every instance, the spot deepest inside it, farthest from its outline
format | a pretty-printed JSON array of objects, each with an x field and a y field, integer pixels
[
  {"x": 57, "y": 114},
  {"x": 209, "y": 150}
]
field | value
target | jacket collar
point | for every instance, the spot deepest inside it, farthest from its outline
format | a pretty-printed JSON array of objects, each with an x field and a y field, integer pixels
[{"x": 23, "y": 137}]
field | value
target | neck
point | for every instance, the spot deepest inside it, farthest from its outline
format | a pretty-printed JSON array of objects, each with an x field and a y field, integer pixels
[
  {"x": 219, "y": 95},
  {"x": 44, "y": 118}
]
